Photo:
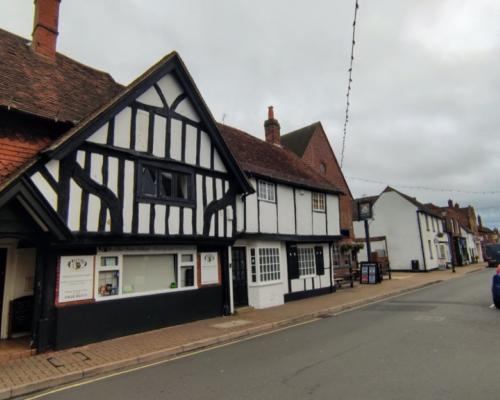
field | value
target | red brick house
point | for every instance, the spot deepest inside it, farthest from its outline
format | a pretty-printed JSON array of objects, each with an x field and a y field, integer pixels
[{"x": 312, "y": 145}]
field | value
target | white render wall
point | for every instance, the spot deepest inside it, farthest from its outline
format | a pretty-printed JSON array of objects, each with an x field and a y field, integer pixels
[
  {"x": 264, "y": 295},
  {"x": 270, "y": 294},
  {"x": 432, "y": 227},
  {"x": 291, "y": 214},
  {"x": 396, "y": 219}
]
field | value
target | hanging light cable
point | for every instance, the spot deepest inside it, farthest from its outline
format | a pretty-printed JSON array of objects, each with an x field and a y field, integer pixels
[{"x": 348, "y": 95}]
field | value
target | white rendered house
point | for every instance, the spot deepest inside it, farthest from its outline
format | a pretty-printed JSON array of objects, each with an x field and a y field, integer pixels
[{"x": 408, "y": 231}]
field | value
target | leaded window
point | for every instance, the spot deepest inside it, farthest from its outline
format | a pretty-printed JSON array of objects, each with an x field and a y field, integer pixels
[{"x": 158, "y": 184}]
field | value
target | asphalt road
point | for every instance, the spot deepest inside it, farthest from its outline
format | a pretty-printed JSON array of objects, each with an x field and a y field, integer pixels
[{"x": 441, "y": 342}]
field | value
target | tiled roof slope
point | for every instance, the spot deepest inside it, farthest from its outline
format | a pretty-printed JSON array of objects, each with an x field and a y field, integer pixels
[
  {"x": 258, "y": 157},
  {"x": 61, "y": 89},
  {"x": 298, "y": 140},
  {"x": 15, "y": 151},
  {"x": 421, "y": 207}
]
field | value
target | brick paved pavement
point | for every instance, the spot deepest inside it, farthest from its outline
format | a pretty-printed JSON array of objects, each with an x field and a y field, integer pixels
[{"x": 55, "y": 368}]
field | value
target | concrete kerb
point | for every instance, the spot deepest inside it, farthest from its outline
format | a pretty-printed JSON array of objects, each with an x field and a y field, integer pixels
[{"x": 165, "y": 354}]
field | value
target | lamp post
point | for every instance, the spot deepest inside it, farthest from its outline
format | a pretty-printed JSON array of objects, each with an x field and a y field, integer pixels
[{"x": 365, "y": 213}]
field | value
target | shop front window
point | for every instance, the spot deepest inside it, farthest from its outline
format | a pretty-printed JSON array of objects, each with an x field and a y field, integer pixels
[{"x": 135, "y": 274}]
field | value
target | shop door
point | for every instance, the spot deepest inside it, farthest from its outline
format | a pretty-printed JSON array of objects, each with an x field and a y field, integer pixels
[
  {"x": 240, "y": 284},
  {"x": 3, "y": 263}
]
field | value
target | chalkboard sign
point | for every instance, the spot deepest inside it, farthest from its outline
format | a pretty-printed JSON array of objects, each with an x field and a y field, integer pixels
[{"x": 21, "y": 315}]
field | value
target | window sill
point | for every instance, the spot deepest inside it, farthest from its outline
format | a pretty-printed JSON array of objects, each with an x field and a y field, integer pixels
[
  {"x": 319, "y": 211},
  {"x": 141, "y": 294},
  {"x": 266, "y": 201},
  {"x": 266, "y": 283}
]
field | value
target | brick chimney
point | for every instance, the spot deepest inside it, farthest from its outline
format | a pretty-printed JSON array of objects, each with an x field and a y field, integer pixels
[
  {"x": 272, "y": 128},
  {"x": 457, "y": 206},
  {"x": 450, "y": 203},
  {"x": 479, "y": 221},
  {"x": 45, "y": 27}
]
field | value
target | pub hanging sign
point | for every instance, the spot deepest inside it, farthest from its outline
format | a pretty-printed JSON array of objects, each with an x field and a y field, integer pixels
[{"x": 76, "y": 278}]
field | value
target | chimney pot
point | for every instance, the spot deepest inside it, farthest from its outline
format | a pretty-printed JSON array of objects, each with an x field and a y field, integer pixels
[
  {"x": 272, "y": 128},
  {"x": 456, "y": 205},
  {"x": 450, "y": 203},
  {"x": 45, "y": 27}
]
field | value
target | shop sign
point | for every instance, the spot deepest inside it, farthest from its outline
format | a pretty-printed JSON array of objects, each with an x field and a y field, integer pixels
[
  {"x": 209, "y": 268},
  {"x": 76, "y": 278}
]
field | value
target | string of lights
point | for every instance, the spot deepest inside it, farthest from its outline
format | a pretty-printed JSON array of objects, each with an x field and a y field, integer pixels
[
  {"x": 432, "y": 189},
  {"x": 348, "y": 95}
]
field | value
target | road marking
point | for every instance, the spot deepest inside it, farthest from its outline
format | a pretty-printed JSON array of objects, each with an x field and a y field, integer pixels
[{"x": 100, "y": 378}]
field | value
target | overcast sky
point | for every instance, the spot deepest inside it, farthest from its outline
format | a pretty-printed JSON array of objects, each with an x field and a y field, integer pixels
[{"x": 425, "y": 102}]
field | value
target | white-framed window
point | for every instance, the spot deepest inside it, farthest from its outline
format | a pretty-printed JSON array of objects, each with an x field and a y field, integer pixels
[
  {"x": 266, "y": 191},
  {"x": 136, "y": 273},
  {"x": 269, "y": 264},
  {"x": 318, "y": 202},
  {"x": 430, "y": 249},
  {"x": 426, "y": 222},
  {"x": 433, "y": 225},
  {"x": 322, "y": 168},
  {"x": 307, "y": 261}
]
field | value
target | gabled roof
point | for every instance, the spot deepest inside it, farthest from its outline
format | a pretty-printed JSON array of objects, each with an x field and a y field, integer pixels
[
  {"x": 61, "y": 89},
  {"x": 263, "y": 159},
  {"x": 298, "y": 140},
  {"x": 420, "y": 206},
  {"x": 171, "y": 63}
]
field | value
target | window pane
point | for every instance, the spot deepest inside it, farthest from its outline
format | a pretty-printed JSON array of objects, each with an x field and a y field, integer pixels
[
  {"x": 187, "y": 258},
  {"x": 269, "y": 264},
  {"x": 182, "y": 186},
  {"x": 307, "y": 261},
  {"x": 144, "y": 273},
  {"x": 166, "y": 184},
  {"x": 148, "y": 181},
  {"x": 109, "y": 261},
  {"x": 108, "y": 283}
]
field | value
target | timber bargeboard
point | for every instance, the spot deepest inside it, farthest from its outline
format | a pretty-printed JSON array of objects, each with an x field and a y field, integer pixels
[{"x": 92, "y": 173}]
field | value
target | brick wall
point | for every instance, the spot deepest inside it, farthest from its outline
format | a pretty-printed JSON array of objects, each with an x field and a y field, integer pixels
[{"x": 317, "y": 152}]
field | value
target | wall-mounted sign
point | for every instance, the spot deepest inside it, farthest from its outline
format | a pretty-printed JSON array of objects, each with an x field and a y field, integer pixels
[
  {"x": 209, "y": 268},
  {"x": 76, "y": 278}
]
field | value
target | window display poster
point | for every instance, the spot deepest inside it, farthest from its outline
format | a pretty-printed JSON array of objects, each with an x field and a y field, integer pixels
[
  {"x": 76, "y": 278},
  {"x": 209, "y": 268}
]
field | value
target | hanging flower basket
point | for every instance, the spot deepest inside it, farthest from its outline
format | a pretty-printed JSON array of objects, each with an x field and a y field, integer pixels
[{"x": 351, "y": 247}]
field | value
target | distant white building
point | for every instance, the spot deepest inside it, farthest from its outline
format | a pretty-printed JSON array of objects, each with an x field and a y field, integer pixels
[{"x": 410, "y": 233}]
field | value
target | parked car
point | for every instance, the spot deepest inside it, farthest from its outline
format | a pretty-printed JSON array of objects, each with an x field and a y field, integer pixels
[
  {"x": 492, "y": 255},
  {"x": 495, "y": 288}
]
